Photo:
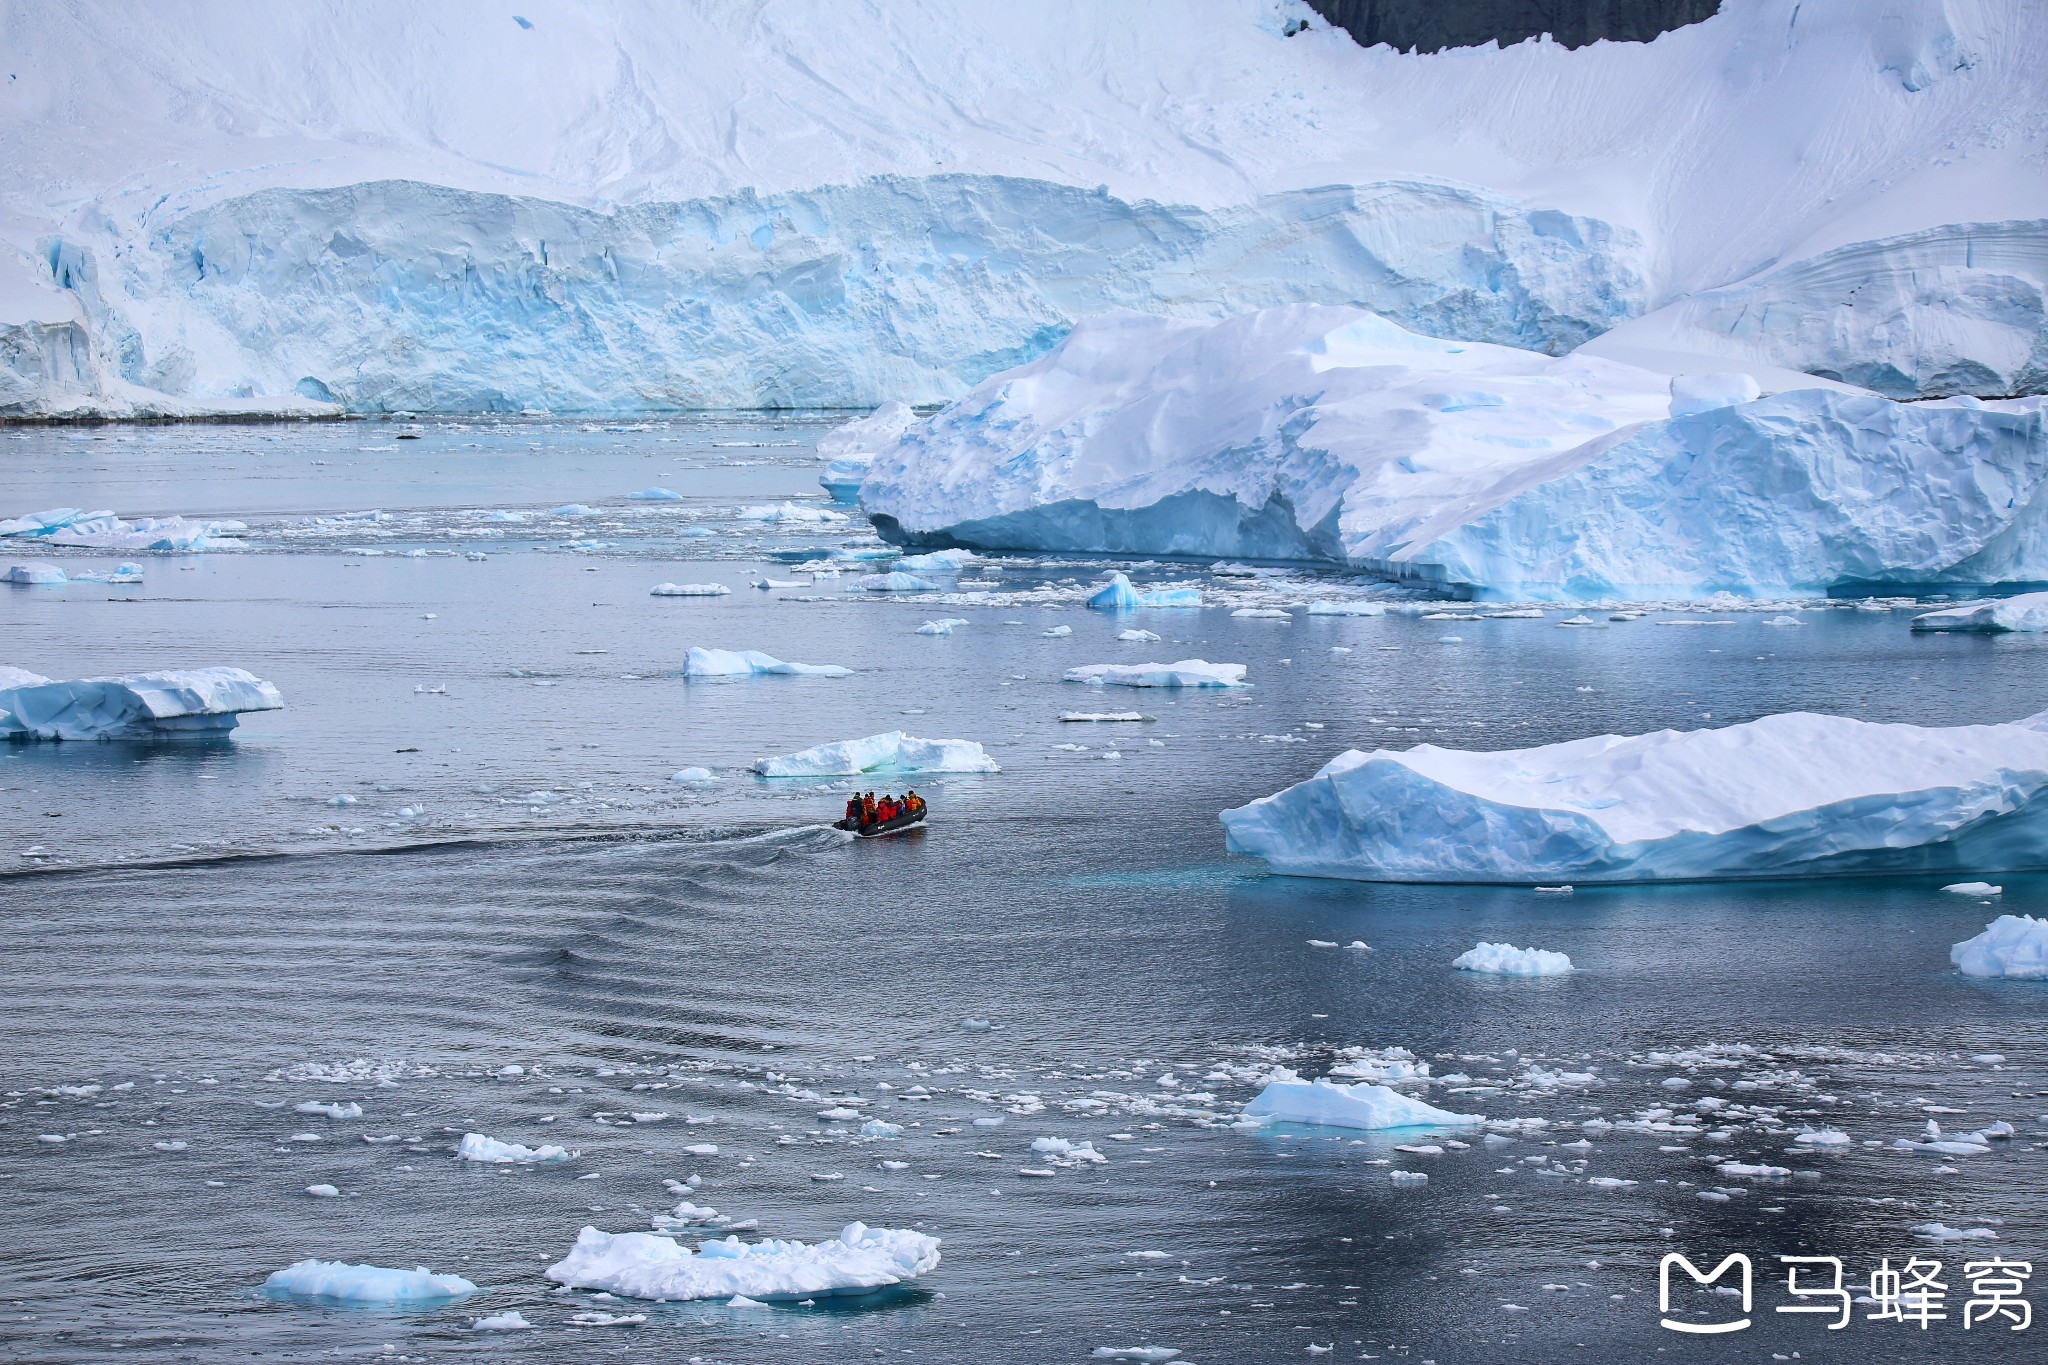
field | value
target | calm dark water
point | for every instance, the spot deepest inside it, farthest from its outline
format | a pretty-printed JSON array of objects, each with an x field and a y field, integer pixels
[{"x": 199, "y": 937}]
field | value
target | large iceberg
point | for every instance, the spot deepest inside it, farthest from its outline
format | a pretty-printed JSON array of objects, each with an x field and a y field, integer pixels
[
  {"x": 1312, "y": 433},
  {"x": 364, "y": 1284},
  {"x": 179, "y": 702},
  {"x": 1789, "y": 795},
  {"x": 849, "y": 450},
  {"x": 2027, "y": 611},
  {"x": 642, "y": 1265},
  {"x": 894, "y": 752},
  {"x": 739, "y": 663},
  {"x": 1287, "y": 1098},
  {"x": 2011, "y": 945},
  {"x": 105, "y": 531}
]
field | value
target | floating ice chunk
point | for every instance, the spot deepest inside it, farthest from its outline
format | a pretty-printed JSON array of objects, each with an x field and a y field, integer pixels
[
  {"x": 740, "y": 663},
  {"x": 1504, "y": 959},
  {"x": 1346, "y": 609},
  {"x": 1116, "y": 595},
  {"x": 350, "y": 1110},
  {"x": 1973, "y": 889},
  {"x": 134, "y": 706},
  {"x": 1287, "y": 1098},
  {"x": 2012, "y": 946},
  {"x": 1822, "y": 1137},
  {"x": 1942, "y": 1232},
  {"x": 508, "y": 1321},
  {"x": 477, "y": 1147},
  {"x": 689, "y": 590},
  {"x": 608, "y": 1319},
  {"x": 894, "y": 752},
  {"x": 1136, "y": 1353},
  {"x": 881, "y": 1128},
  {"x": 1691, "y": 393},
  {"x": 1754, "y": 1171},
  {"x": 2026, "y": 612},
  {"x": 791, "y": 514},
  {"x": 1789, "y": 794},
  {"x": 1185, "y": 673},
  {"x": 655, "y": 495},
  {"x": 1068, "y": 1153},
  {"x": 894, "y": 581},
  {"x": 975, "y": 1025},
  {"x": 943, "y": 626},
  {"x": 1138, "y": 637},
  {"x": 36, "y": 571},
  {"x": 642, "y": 1265},
  {"x": 1058, "y": 632},
  {"x": 1262, "y": 614},
  {"x": 1073, "y": 717},
  {"x": 574, "y": 509},
  {"x": 691, "y": 777},
  {"x": 337, "y": 1280},
  {"x": 323, "y": 1191},
  {"x": 944, "y": 562}
]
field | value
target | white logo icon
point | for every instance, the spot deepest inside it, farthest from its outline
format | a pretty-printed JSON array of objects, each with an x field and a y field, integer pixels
[{"x": 1702, "y": 1278}]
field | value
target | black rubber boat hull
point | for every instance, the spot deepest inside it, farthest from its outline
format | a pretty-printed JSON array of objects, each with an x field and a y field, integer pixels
[{"x": 876, "y": 831}]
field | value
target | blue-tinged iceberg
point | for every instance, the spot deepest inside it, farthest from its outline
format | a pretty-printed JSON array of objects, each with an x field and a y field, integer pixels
[
  {"x": 179, "y": 702},
  {"x": 2027, "y": 611},
  {"x": 2013, "y": 946},
  {"x": 894, "y": 752},
  {"x": 642, "y": 1265},
  {"x": 1287, "y": 1098},
  {"x": 341, "y": 1282},
  {"x": 740, "y": 663},
  {"x": 1312, "y": 433},
  {"x": 105, "y": 531},
  {"x": 1789, "y": 795}
]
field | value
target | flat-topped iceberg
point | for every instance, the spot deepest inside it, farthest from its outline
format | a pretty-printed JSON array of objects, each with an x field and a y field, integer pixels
[
  {"x": 894, "y": 752},
  {"x": 2011, "y": 945},
  {"x": 642, "y": 1265},
  {"x": 37, "y": 572},
  {"x": 2027, "y": 611},
  {"x": 1287, "y": 1098},
  {"x": 1312, "y": 433},
  {"x": 689, "y": 590},
  {"x": 345, "y": 1283},
  {"x": 190, "y": 701},
  {"x": 1505, "y": 959},
  {"x": 1185, "y": 673},
  {"x": 740, "y": 663},
  {"x": 1794, "y": 794}
]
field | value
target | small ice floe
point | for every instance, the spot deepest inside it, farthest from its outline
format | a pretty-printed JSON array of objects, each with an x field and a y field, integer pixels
[
  {"x": 594, "y": 1319},
  {"x": 1504, "y": 959},
  {"x": 1101, "y": 717},
  {"x": 1973, "y": 889},
  {"x": 573, "y": 509},
  {"x": 1287, "y": 1098},
  {"x": 1754, "y": 1171},
  {"x": 1185, "y": 673},
  {"x": 1608, "y": 1182},
  {"x": 1138, "y": 637},
  {"x": 36, "y": 572},
  {"x": 791, "y": 514},
  {"x": 2026, "y": 612},
  {"x": 1580, "y": 622},
  {"x": 894, "y": 752},
  {"x": 477, "y": 1147},
  {"x": 702, "y": 1149},
  {"x": 689, "y": 590},
  {"x": 174, "y": 1145},
  {"x": 508, "y": 1321},
  {"x": 655, "y": 495},
  {"x": 1063, "y": 1152},
  {"x": 742, "y": 663},
  {"x": 1408, "y": 1177},
  {"x": 1322, "y": 943},
  {"x": 1359, "y": 945},
  {"x": 694, "y": 777},
  {"x": 172, "y": 704},
  {"x": 1784, "y": 621},
  {"x": 1552, "y": 890},
  {"x": 2013, "y": 946},
  {"x": 1320, "y": 608},
  {"x": 1942, "y": 1232},
  {"x": 943, "y": 626},
  {"x": 894, "y": 581},
  {"x": 947, "y": 562},
  {"x": 642, "y": 1265},
  {"x": 1262, "y": 614},
  {"x": 769, "y": 584},
  {"x": 1822, "y": 1137},
  {"x": 1136, "y": 1353},
  {"x": 1057, "y": 632},
  {"x": 1450, "y": 639},
  {"x": 350, "y": 1110},
  {"x": 323, "y": 1191},
  {"x": 344, "y": 1283},
  {"x": 975, "y": 1025},
  {"x": 881, "y": 1128}
]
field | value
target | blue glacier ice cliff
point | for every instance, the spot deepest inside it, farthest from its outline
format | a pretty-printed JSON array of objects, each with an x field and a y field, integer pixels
[
  {"x": 1788, "y": 795},
  {"x": 1320, "y": 434}
]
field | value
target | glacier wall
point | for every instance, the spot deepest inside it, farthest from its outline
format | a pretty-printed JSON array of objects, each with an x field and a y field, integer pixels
[{"x": 400, "y": 295}]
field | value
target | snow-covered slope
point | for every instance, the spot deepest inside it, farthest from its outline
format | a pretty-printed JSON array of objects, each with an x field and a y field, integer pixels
[
  {"x": 1310, "y": 433},
  {"x": 206, "y": 205},
  {"x": 1787, "y": 795}
]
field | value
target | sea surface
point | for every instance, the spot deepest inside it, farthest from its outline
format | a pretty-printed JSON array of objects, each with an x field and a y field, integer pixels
[{"x": 453, "y": 884}]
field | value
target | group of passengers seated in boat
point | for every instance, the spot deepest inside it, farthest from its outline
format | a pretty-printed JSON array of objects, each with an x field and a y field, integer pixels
[{"x": 865, "y": 808}]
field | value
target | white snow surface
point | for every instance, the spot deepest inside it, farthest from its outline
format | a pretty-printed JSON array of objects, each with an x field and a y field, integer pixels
[
  {"x": 1330, "y": 434},
  {"x": 733, "y": 663},
  {"x": 2011, "y": 945},
  {"x": 1287, "y": 1098},
  {"x": 364, "y": 1283},
  {"x": 160, "y": 705},
  {"x": 1793, "y": 794},
  {"x": 641, "y": 1265},
  {"x": 894, "y": 752},
  {"x": 1185, "y": 673},
  {"x": 848, "y": 450},
  {"x": 104, "y": 531},
  {"x": 247, "y": 206},
  {"x": 1505, "y": 959},
  {"x": 2027, "y": 611}
]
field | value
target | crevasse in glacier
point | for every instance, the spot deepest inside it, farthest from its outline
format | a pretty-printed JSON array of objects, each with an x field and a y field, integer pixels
[
  {"x": 1793, "y": 794},
  {"x": 1330, "y": 434}
]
